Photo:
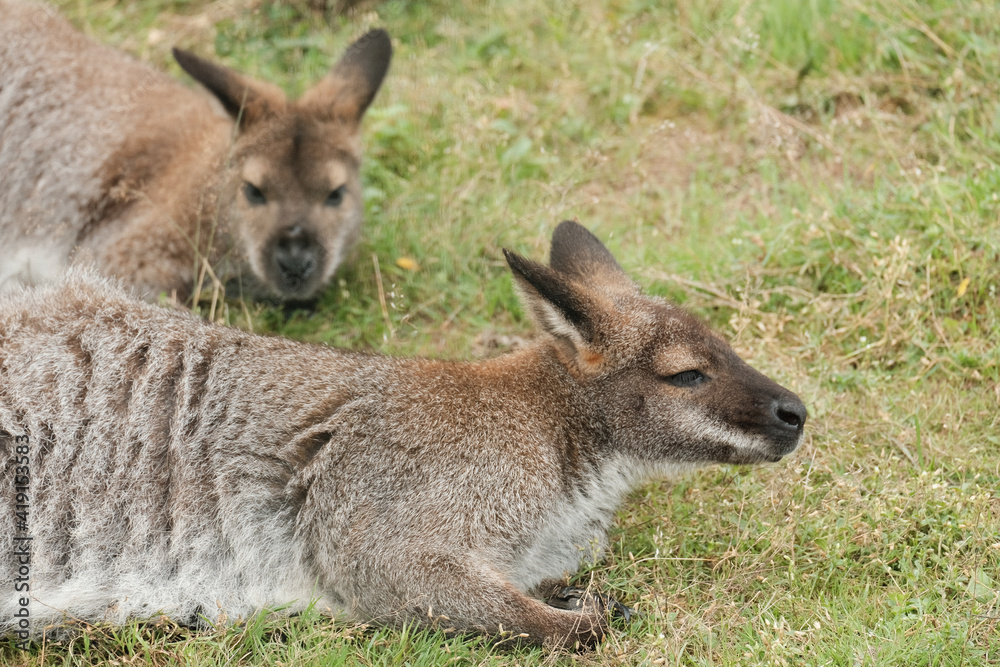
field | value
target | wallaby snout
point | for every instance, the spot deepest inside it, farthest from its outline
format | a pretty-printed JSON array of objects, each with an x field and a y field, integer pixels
[
  {"x": 298, "y": 257},
  {"x": 196, "y": 470},
  {"x": 131, "y": 171}
]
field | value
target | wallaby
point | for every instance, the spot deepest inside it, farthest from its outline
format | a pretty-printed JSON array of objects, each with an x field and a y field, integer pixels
[
  {"x": 173, "y": 466},
  {"x": 104, "y": 160}
]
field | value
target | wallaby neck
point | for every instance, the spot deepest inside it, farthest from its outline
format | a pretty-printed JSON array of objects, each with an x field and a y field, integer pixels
[{"x": 550, "y": 394}]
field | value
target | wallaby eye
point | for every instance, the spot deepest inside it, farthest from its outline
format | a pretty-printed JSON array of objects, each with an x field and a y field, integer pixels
[
  {"x": 686, "y": 378},
  {"x": 253, "y": 194},
  {"x": 335, "y": 197}
]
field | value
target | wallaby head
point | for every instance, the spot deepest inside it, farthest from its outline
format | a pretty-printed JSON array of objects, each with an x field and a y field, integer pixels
[
  {"x": 294, "y": 193},
  {"x": 672, "y": 392}
]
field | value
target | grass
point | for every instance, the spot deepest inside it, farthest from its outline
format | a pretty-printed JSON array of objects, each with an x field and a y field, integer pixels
[{"x": 817, "y": 179}]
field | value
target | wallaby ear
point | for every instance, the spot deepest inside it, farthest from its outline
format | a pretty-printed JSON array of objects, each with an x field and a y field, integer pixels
[
  {"x": 581, "y": 255},
  {"x": 246, "y": 100},
  {"x": 557, "y": 305},
  {"x": 345, "y": 93}
]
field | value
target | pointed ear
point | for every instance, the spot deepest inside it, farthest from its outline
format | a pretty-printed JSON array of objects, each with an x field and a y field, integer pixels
[
  {"x": 246, "y": 100},
  {"x": 345, "y": 93},
  {"x": 580, "y": 255},
  {"x": 557, "y": 305}
]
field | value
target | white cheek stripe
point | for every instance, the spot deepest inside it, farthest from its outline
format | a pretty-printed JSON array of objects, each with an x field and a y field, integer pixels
[{"x": 708, "y": 427}]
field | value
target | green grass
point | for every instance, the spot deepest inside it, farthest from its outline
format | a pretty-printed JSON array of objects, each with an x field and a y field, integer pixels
[{"x": 820, "y": 180}]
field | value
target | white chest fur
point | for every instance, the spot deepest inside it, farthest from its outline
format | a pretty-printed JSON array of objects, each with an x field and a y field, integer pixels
[{"x": 576, "y": 529}]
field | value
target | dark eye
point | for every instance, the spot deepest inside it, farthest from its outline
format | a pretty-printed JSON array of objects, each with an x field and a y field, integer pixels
[
  {"x": 253, "y": 194},
  {"x": 335, "y": 198},
  {"x": 686, "y": 378}
]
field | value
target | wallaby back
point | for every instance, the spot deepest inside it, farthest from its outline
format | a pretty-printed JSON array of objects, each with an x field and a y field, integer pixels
[
  {"x": 180, "y": 467},
  {"x": 104, "y": 160}
]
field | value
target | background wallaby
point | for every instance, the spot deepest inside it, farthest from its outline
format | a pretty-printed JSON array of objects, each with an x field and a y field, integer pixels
[
  {"x": 103, "y": 159},
  {"x": 183, "y": 467}
]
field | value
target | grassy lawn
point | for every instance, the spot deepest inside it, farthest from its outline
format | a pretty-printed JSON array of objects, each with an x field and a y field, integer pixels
[{"x": 818, "y": 179}]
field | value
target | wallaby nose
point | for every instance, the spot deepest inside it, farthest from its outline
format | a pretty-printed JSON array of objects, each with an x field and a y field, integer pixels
[
  {"x": 790, "y": 412},
  {"x": 297, "y": 256}
]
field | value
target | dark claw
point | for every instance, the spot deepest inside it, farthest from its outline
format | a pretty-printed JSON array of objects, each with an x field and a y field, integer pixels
[{"x": 618, "y": 610}]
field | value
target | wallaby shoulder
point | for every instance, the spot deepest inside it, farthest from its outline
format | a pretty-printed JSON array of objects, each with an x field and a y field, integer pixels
[{"x": 85, "y": 129}]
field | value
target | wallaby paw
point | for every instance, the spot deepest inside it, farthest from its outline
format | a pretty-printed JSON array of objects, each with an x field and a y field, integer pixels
[{"x": 573, "y": 598}]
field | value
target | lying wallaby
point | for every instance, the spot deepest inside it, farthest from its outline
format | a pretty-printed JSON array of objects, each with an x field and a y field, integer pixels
[
  {"x": 175, "y": 466},
  {"x": 104, "y": 160}
]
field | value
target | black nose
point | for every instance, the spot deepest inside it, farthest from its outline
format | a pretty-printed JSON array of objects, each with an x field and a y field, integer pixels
[
  {"x": 297, "y": 255},
  {"x": 790, "y": 413}
]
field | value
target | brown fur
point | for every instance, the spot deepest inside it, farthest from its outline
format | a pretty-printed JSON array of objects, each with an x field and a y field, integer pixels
[
  {"x": 105, "y": 161},
  {"x": 195, "y": 470}
]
